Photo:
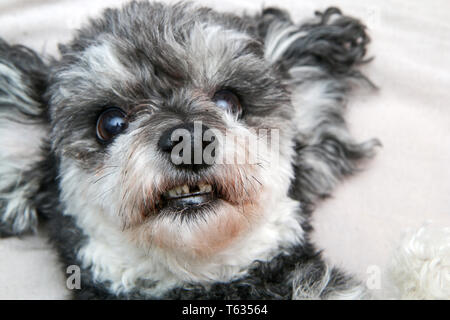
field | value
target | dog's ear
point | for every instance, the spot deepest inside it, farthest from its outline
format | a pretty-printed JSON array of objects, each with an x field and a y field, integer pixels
[
  {"x": 319, "y": 61},
  {"x": 332, "y": 41},
  {"x": 24, "y": 126}
]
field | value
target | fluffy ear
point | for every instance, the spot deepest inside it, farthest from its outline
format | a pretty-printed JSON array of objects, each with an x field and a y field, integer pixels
[
  {"x": 332, "y": 41},
  {"x": 23, "y": 128},
  {"x": 319, "y": 60}
]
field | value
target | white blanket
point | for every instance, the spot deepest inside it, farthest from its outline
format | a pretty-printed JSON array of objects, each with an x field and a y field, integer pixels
[{"x": 406, "y": 184}]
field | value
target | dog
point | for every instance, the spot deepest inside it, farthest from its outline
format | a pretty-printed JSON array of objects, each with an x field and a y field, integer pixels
[{"x": 106, "y": 145}]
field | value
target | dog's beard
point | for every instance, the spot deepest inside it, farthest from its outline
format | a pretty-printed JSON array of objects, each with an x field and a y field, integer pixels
[{"x": 132, "y": 186}]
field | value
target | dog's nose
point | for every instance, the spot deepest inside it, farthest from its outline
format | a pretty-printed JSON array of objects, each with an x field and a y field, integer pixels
[{"x": 186, "y": 144}]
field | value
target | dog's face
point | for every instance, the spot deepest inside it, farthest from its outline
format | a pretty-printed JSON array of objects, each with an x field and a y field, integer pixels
[{"x": 123, "y": 96}]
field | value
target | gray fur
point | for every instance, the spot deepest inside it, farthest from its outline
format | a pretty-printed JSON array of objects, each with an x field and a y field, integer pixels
[{"x": 22, "y": 125}]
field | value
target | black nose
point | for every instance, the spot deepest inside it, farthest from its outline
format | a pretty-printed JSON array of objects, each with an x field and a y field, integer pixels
[{"x": 186, "y": 145}]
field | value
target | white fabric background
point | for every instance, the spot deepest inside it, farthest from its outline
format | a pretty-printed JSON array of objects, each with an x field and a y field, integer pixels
[{"x": 405, "y": 185}]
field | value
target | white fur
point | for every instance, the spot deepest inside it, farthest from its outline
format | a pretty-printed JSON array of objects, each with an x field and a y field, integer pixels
[
  {"x": 115, "y": 259},
  {"x": 304, "y": 289},
  {"x": 420, "y": 267},
  {"x": 97, "y": 62}
]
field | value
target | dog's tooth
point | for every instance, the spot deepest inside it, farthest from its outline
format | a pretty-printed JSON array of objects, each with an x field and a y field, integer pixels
[
  {"x": 185, "y": 189},
  {"x": 208, "y": 188},
  {"x": 172, "y": 193},
  {"x": 178, "y": 190}
]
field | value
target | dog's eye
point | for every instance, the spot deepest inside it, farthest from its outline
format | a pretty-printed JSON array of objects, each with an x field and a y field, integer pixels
[
  {"x": 110, "y": 123},
  {"x": 228, "y": 101}
]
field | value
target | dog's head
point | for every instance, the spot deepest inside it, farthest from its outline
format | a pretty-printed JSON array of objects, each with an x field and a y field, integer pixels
[{"x": 171, "y": 125}]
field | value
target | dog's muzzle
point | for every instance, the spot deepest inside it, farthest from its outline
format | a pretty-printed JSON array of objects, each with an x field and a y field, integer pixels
[{"x": 185, "y": 147}]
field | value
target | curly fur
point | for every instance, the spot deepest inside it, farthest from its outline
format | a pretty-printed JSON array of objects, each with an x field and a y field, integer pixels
[
  {"x": 420, "y": 267},
  {"x": 23, "y": 114}
]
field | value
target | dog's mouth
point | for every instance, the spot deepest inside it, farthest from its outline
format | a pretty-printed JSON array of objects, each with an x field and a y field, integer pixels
[
  {"x": 195, "y": 196},
  {"x": 188, "y": 196}
]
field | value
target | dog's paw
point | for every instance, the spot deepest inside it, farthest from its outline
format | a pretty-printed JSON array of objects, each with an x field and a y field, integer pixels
[{"x": 16, "y": 217}]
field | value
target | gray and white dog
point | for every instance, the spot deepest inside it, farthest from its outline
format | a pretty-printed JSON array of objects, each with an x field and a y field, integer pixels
[{"x": 87, "y": 145}]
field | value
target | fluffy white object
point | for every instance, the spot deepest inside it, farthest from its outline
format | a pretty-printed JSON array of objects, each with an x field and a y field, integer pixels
[{"x": 420, "y": 268}]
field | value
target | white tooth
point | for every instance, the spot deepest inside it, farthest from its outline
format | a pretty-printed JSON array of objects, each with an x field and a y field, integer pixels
[
  {"x": 172, "y": 193},
  {"x": 201, "y": 188},
  {"x": 208, "y": 188},
  {"x": 185, "y": 189},
  {"x": 178, "y": 191}
]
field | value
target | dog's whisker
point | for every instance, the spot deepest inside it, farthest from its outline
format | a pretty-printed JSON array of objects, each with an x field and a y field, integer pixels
[
  {"x": 257, "y": 180},
  {"x": 103, "y": 177}
]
